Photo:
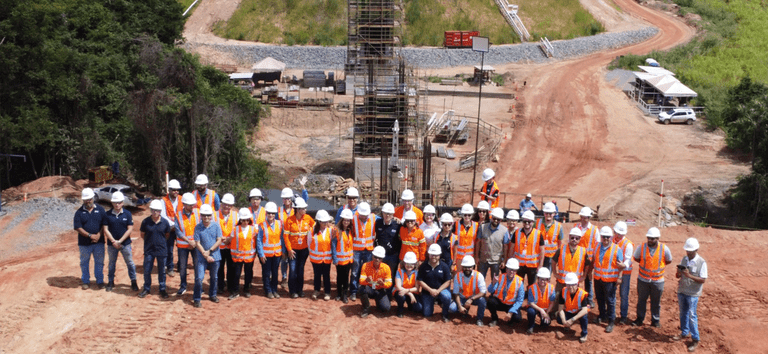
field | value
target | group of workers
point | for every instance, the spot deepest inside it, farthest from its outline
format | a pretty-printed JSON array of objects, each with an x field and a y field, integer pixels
[{"x": 406, "y": 254}]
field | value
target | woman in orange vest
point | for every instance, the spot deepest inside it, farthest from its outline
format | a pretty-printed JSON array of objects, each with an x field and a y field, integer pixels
[
  {"x": 227, "y": 218},
  {"x": 243, "y": 251},
  {"x": 466, "y": 232},
  {"x": 320, "y": 253},
  {"x": 406, "y": 287},
  {"x": 297, "y": 230},
  {"x": 269, "y": 246},
  {"x": 341, "y": 253},
  {"x": 412, "y": 237}
]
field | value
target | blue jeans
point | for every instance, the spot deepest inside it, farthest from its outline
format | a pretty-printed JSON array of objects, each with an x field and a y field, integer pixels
[
  {"x": 183, "y": 256},
  {"x": 127, "y": 256},
  {"x": 97, "y": 250},
  {"x": 169, "y": 245},
  {"x": 284, "y": 268},
  {"x": 480, "y": 303},
  {"x": 689, "y": 318},
  {"x": 381, "y": 296},
  {"x": 148, "y": 260},
  {"x": 624, "y": 294},
  {"x": 358, "y": 259},
  {"x": 589, "y": 288},
  {"x": 532, "y": 313},
  {"x": 269, "y": 274},
  {"x": 644, "y": 290},
  {"x": 414, "y": 306},
  {"x": 605, "y": 292},
  {"x": 296, "y": 275},
  {"x": 582, "y": 321},
  {"x": 428, "y": 302},
  {"x": 201, "y": 264}
]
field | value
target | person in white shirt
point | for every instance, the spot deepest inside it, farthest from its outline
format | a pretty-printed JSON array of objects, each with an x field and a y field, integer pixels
[
  {"x": 692, "y": 272},
  {"x": 430, "y": 227},
  {"x": 628, "y": 250}
]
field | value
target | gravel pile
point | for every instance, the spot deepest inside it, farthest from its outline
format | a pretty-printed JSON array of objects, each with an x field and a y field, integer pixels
[
  {"x": 327, "y": 58},
  {"x": 54, "y": 217}
]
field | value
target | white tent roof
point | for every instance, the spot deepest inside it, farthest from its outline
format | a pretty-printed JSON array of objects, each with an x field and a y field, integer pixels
[
  {"x": 485, "y": 68},
  {"x": 656, "y": 70},
  {"x": 668, "y": 85},
  {"x": 269, "y": 64},
  {"x": 241, "y": 76},
  {"x": 644, "y": 76}
]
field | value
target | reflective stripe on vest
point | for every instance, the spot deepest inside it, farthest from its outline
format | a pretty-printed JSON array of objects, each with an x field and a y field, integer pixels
[
  {"x": 227, "y": 224},
  {"x": 466, "y": 245},
  {"x": 652, "y": 266},
  {"x": 541, "y": 300},
  {"x": 296, "y": 231},
  {"x": 470, "y": 288},
  {"x": 170, "y": 211},
  {"x": 571, "y": 262},
  {"x": 506, "y": 292},
  {"x": 573, "y": 305},
  {"x": 550, "y": 235},
  {"x": 208, "y": 198},
  {"x": 259, "y": 215},
  {"x": 271, "y": 239},
  {"x": 363, "y": 240},
  {"x": 490, "y": 191},
  {"x": 320, "y": 247},
  {"x": 527, "y": 249},
  {"x": 411, "y": 242},
  {"x": 343, "y": 247},
  {"x": 606, "y": 268},
  {"x": 187, "y": 224},
  {"x": 623, "y": 246},
  {"x": 243, "y": 248},
  {"x": 283, "y": 215},
  {"x": 409, "y": 281}
]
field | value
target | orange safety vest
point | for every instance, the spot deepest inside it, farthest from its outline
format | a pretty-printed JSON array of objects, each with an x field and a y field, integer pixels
[
  {"x": 283, "y": 215},
  {"x": 271, "y": 241},
  {"x": 606, "y": 268},
  {"x": 400, "y": 211},
  {"x": 243, "y": 246},
  {"x": 382, "y": 276},
  {"x": 187, "y": 224},
  {"x": 227, "y": 226},
  {"x": 623, "y": 246},
  {"x": 170, "y": 210},
  {"x": 494, "y": 189},
  {"x": 573, "y": 304},
  {"x": 343, "y": 247},
  {"x": 541, "y": 299},
  {"x": 570, "y": 263},
  {"x": 259, "y": 216},
  {"x": 362, "y": 240},
  {"x": 413, "y": 242},
  {"x": 470, "y": 287},
  {"x": 589, "y": 237},
  {"x": 550, "y": 235},
  {"x": 507, "y": 297},
  {"x": 409, "y": 280},
  {"x": 320, "y": 247},
  {"x": 527, "y": 249},
  {"x": 209, "y": 198},
  {"x": 297, "y": 232},
  {"x": 652, "y": 265},
  {"x": 467, "y": 237}
]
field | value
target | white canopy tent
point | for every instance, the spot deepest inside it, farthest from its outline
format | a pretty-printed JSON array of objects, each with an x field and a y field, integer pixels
[{"x": 268, "y": 65}]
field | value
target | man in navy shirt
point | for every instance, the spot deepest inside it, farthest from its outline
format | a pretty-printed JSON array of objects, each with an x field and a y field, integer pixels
[
  {"x": 155, "y": 231},
  {"x": 118, "y": 225},
  {"x": 207, "y": 239},
  {"x": 388, "y": 236},
  {"x": 87, "y": 223},
  {"x": 435, "y": 280}
]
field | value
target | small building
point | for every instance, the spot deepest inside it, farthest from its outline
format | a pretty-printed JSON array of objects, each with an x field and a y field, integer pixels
[
  {"x": 656, "y": 89},
  {"x": 268, "y": 70},
  {"x": 485, "y": 73},
  {"x": 242, "y": 80}
]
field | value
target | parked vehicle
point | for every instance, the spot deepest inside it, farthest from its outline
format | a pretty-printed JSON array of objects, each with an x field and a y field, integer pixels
[
  {"x": 678, "y": 115},
  {"x": 105, "y": 194}
]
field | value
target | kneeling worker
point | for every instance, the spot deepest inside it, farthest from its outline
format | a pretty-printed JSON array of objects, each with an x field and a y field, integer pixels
[
  {"x": 574, "y": 305},
  {"x": 508, "y": 294},
  {"x": 375, "y": 280},
  {"x": 541, "y": 300},
  {"x": 406, "y": 287},
  {"x": 468, "y": 288}
]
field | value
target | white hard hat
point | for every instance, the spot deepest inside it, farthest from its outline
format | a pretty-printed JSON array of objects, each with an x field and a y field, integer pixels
[
  {"x": 156, "y": 205},
  {"x": 174, "y": 184},
  {"x": 86, "y": 194},
  {"x": 346, "y": 214},
  {"x": 620, "y": 228},
  {"x": 206, "y": 209},
  {"x": 255, "y": 193},
  {"x": 653, "y": 232},
  {"x": 571, "y": 279},
  {"x": 409, "y": 215},
  {"x": 388, "y": 208},
  {"x": 446, "y": 218},
  {"x": 513, "y": 215},
  {"x": 498, "y": 213},
  {"x": 513, "y": 263},
  {"x": 407, "y": 195},
  {"x": 691, "y": 244},
  {"x": 322, "y": 216},
  {"x": 270, "y": 207},
  {"x": 467, "y": 209},
  {"x": 435, "y": 250},
  {"x": 228, "y": 199},
  {"x": 575, "y": 231},
  {"x": 429, "y": 209},
  {"x": 117, "y": 197},
  {"x": 528, "y": 215},
  {"x": 299, "y": 203},
  {"x": 379, "y": 252},
  {"x": 364, "y": 209},
  {"x": 410, "y": 258},
  {"x": 528, "y": 195},
  {"x": 585, "y": 211},
  {"x": 606, "y": 231},
  {"x": 483, "y": 205},
  {"x": 352, "y": 192},
  {"x": 286, "y": 193},
  {"x": 549, "y": 207},
  {"x": 468, "y": 261},
  {"x": 543, "y": 273},
  {"x": 244, "y": 213},
  {"x": 188, "y": 198},
  {"x": 488, "y": 174},
  {"x": 201, "y": 179}
]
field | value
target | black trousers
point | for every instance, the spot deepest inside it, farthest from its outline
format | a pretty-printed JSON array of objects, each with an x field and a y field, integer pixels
[
  {"x": 234, "y": 276},
  {"x": 342, "y": 279},
  {"x": 226, "y": 262}
]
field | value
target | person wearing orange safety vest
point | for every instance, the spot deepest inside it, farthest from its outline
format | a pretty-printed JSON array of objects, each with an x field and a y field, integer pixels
[
  {"x": 320, "y": 254},
  {"x": 375, "y": 281},
  {"x": 552, "y": 232},
  {"x": 203, "y": 195},
  {"x": 243, "y": 250},
  {"x": 227, "y": 219},
  {"x": 406, "y": 287},
  {"x": 652, "y": 258},
  {"x": 570, "y": 258},
  {"x": 362, "y": 244},
  {"x": 512, "y": 218},
  {"x": 468, "y": 288},
  {"x": 466, "y": 231},
  {"x": 627, "y": 249},
  {"x": 412, "y": 238},
  {"x": 608, "y": 264},
  {"x": 172, "y": 206},
  {"x": 186, "y": 221},
  {"x": 285, "y": 211},
  {"x": 490, "y": 190},
  {"x": 507, "y": 294},
  {"x": 541, "y": 300},
  {"x": 298, "y": 228},
  {"x": 258, "y": 212},
  {"x": 589, "y": 239},
  {"x": 574, "y": 305},
  {"x": 269, "y": 247},
  {"x": 341, "y": 253},
  {"x": 407, "y": 198},
  {"x": 528, "y": 246}
]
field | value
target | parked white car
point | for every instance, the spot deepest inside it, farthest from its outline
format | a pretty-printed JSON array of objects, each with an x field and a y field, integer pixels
[
  {"x": 105, "y": 194},
  {"x": 678, "y": 115}
]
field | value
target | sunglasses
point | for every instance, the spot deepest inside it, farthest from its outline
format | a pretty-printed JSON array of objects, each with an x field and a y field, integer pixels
[
  {"x": 271, "y": 213},
  {"x": 527, "y": 222}
]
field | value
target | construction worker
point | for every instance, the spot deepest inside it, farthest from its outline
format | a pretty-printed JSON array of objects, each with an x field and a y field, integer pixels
[
  {"x": 482, "y": 213},
  {"x": 652, "y": 258},
  {"x": 589, "y": 239},
  {"x": 627, "y": 249},
  {"x": 490, "y": 190},
  {"x": 412, "y": 238},
  {"x": 507, "y": 294},
  {"x": 171, "y": 207},
  {"x": 259, "y": 214},
  {"x": 430, "y": 227},
  {"x": 352, "y": 196},
  {"x": 552, "y": 232},
  {"x": 513, "y": 218},
  {"x": 692, "y": 272},
  {"x": 608, "y": 264},
  {"x": 446, "y": 239},
  {"x": 375, "y": 281},
  {"x": 269, "y": 247},
  {"x": 557, "y": 210},
  {"x": 387, "y": 236},
  {"x": 491, "y": 241},
  {"x": 362, "y": 243},
  {"x": 155, "y": 231},
  {"x": 541, "y": 300},
  {"x": 285, "y": 211},
  {"x": 341, "y": 253},
  {"x": 406, "y": 288},
  {"x": 407, "y": 198},
  {"x": 117, "y": 228},
  {"x": 468, "y": 288},
  {"x": 434, "y": 279},
  {"x": 88, "y": 223},
  {"x": 466, "y": 230},
  {"x": 528, "y": 245},
  {"x": 298, "y": 229},
  {"x": 320, "y": 253},
  {"x": 571, "y": 258},
  {"x": 243, "y": 250},
  {"x": 573, "y": 305},
  {"x": 527, "y": 204},
  {"x": 207, "y": 239},
  {"x": 227, "y": 218},
  {"x": 186, "y": 221},
  {"x": 203, "y": 195}
]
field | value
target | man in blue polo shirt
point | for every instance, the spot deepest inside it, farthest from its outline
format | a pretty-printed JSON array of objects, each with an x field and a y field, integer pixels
[
  {"x": 435, "y": 280},
  {"x": 207, "y": 239},
  {"x": 87, "y": 223},
  {"x": 155, "y": 231},
  {"x": 118, "y": 225}
]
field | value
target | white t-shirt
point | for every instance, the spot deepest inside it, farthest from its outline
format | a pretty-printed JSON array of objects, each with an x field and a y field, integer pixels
[{"x": 430, "y": 232}]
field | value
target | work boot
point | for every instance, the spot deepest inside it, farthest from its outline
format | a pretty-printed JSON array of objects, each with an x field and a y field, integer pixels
[
  {"x": 85, "y": 286},
  {"x": 656, "y": 324},
  {"x": 134, "y": 285},
  {"x": 492, "y": 324},
  {"x": 276, "y": 295},
  {"x": 609, "y": 329},
  {"x": 294, "y": 296},
  {"x": 100, "y": 286},
  {"x": 181, "y": 292},
  {"x": 365, "y": 313},
  {"x": 143, "y": 294},
  {"x": 215, "y": 299},
  {"x": 247, "y": 294},
  {"x": 344, "y": 299},
  {"x": 315, "y": 294},
  {"x": 479, "y": 323},
  {"x": 583, "y": 339},
  {"x": 164, "y": 294},
  {"x": 110, "y": 286},
  {"x": 270, "y": 296},
  {"x": 233, "y": 296},
  {"x": 624, "y": 321},
  {"x": 637, "y": 323},
  {"x": 170, "y": 273},
  {"x": 678, "y": 337},
  {"x": 529, "y": 331},
  {"x": 598, "y": 320},
  {"x": 353, "y": 297},
  {"x": 197, "y": 304},
  {"x": 693, "y": 346}
]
